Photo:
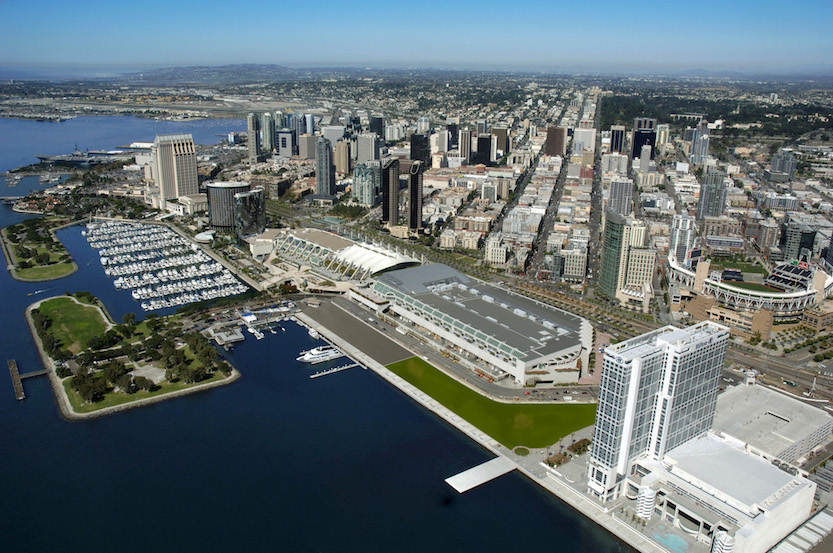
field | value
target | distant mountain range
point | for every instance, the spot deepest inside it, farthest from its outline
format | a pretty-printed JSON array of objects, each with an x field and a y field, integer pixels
[{"x": 229, "y": 74}]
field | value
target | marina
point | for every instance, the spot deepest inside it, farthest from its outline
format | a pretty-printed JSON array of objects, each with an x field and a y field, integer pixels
[
  {"x": 334, "y": 370},
  {"x": 320, "y": 354},
  {"x": 160, "y": 267}
]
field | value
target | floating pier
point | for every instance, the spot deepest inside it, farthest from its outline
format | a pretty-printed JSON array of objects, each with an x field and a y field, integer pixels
[
  {"x": 480, "y": 474},
  {"x": 335, "y": 370},
  {"x": 16, "y": 382}
]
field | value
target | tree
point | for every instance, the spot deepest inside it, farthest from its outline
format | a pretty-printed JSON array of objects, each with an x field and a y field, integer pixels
[
  {"x": 144, "y": 383},
  {"x": 129, "y": 318}
]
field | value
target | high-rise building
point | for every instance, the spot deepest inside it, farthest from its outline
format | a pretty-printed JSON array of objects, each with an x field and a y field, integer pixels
[
  {"x": 464, "y": 142},
  {"x": 174, "y": 163},
  {"x": 486, "y": 149},
  {"x": 342, "y": 156},
  {"x": 439, "y": 142},
  {"x": 377, "y": 125},
  {"x": 556, "y": 144},
  {"x": 296, "y": 125},
  {"x": 663, "y": 134},
  {"x": 584, "y": 140},
  {"x": 621, "y": 233},
  {"x": 325, "y": 178},
  {"x": 286, "y": 143},
  {"x": 657, "y": 391},
  {"x": 784, "y": 163},
  {"x": 367, "y": 181},
  {"x": 415, "y": 195},
  {"x": 280, "y": 120},
  {"x": 253, "y": 130},
  {"x": 423, "y": 125},
  {"x": 617, "y": 138},
  {"x": 712, "y": 202},
  {"x": 798, "y": 237},
  {"x": 482, "y": 126},
  {"x": 700, "y": 143},
  {"x": 221, "y": 204},
  {"x": 306, "y": 146},
  {"x": 420, "y": 149},
  {"x": 644, "y": 132},
  {"x": 390, "y": 190},
  {"x": 250, "y": 212},
  {"x": 309, "y": 123},
  {"x": 453, "y": 134},
  {"x": 333, "y": 133},
  {"x": 501, "y": 135},
  {"x": 368, "y": 147},
  {"x": 621, "y": 195},
  {"x": 683, "y": 232},
  {"x": 268, "y": 132},
  {"x": 645, "y": 159}
]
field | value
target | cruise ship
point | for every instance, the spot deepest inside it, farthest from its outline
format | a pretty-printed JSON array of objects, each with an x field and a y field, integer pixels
[{"x": 319, "y": 354}]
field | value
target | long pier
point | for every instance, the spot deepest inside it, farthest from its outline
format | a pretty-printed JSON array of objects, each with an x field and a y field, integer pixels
[
  {"x": 335, "y": 370},
  {"x": 16, "y": 382}
]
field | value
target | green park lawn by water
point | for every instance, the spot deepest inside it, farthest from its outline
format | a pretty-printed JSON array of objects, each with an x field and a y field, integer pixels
[
  {"x": 73, "y": 324},
  {"x": 45, "y": 272},
  {"x": 510, "y": 424}
]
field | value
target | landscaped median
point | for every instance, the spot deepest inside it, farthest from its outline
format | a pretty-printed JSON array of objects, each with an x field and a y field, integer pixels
[{"x": 510, "y": 424}]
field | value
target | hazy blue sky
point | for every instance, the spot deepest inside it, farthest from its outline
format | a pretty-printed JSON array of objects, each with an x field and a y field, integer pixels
[{"x": 575, "y": 36}]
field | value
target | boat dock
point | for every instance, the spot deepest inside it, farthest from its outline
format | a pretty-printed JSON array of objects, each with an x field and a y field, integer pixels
[
  {"x": 481, "y": 474},
  {"x": 16, "y": 382},
  {"x": 334, "y": 370}
]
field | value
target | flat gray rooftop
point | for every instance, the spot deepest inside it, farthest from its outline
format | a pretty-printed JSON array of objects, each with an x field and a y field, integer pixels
[
  {"x": 533, "y": 329},
  {"x": 765, "y": 419}
]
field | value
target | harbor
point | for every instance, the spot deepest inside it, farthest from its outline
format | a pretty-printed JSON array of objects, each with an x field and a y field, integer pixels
[{"x": 159, "y": 266}]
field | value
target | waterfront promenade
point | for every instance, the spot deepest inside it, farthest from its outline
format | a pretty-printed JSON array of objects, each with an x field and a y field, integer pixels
[{"x": 545, "y": 477}]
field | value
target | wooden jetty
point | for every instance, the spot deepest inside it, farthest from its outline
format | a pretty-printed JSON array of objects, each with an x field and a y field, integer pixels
[{"x": 16, "y": 382}]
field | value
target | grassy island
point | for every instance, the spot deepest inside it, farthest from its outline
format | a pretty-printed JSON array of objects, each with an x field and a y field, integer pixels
[
  {"x": 100, "y": 364},
  {"x": 35, "y": 252},
  {"x": 510, "y": 424}
]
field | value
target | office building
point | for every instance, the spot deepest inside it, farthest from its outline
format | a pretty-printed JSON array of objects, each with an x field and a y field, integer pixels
[
  {"x": 657, "y": 392},
  {"x": 286, "y": 143},
  {"x": 644, "y": 133},
  {"x": 253, "y": 132},
  {"x": 174, "y": 163},
  {"x": 486, "y": 149},
  {"x": 367, "y": 181},
  {"x": 296, "y": 126},
  {"x": 368, "y": 147},
  {"x": 390, "y": 191},
  {"x": 221, "y": 204},
  {"x": 333, "y": 133},
  {"x": 481, "y": 126},
  {"x": 502, "y": 333},
  {"x": 683, "y": 233},
  {"x": 420, "y": 149},
  {"x": 617, "y": 139},
  {"x": 584, "y": 140},
  {"x": 268, "y": 132},
  {"x": 556, "y": 144},
  {"x": 712, "y": 202},
  {"x": 342, "y": 157},
  {"x": 309, "y": 123},
  {"x": 621, "y": 233},
  {"x": 453, "y": 134},
  {"x": 414, "y": 173},
  {"x": 250, "y": 212},
  {"x": 306, "y": 146},
  {"x": 439, "y": 142},
  {"x": 325, "y": 178},
  {"x": 423, "y": 125},
  {"x": 782, "y": 166},
  {"x": 502, "y": 141},
  {"x": 464, "y": 143},
  {"x": 377, "y": 125},
  {"x": 621, "y": 195},
  {"x": 798, "y": 236},
  {"x": 663, "y": 134}
]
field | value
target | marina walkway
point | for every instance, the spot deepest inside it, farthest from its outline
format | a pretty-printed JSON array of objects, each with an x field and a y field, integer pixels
[{"x": 481, "y": 474}]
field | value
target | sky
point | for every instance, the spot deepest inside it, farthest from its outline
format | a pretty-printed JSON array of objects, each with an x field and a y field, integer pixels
[{"x": 97, "y": 36}]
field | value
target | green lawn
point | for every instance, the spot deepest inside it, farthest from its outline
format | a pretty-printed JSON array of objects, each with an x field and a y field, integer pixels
[
  {"x": 117, "y": 398},
  {"x": 72, "y": 324},
  {"x": 753, "y": 286},
  {"x": 45, "y": 272},
  {"x": 510, "y": 424}
]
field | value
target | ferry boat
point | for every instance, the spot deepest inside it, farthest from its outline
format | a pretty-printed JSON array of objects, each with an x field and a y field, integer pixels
[{"x": 319, "y": 354}]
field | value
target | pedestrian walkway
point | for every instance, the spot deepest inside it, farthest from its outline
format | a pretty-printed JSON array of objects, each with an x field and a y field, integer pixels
[
  {"x": 481, "y": 474},
  {"x": 806, "y": 536}
]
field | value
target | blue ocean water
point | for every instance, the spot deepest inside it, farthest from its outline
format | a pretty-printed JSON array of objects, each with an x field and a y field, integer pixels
[
  {"x": 273, "y": 462},
  {"x": 21, "y": 140}
]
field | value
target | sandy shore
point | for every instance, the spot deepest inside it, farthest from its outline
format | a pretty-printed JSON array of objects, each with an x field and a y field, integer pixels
[{"x": 58, "y": 390}]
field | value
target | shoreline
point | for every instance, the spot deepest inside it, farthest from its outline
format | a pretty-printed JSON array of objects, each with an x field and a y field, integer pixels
[
  {"x": 65, "y": 408},
  {"x": 11, "y": 259},
  {"x": 548, "y": 480}
]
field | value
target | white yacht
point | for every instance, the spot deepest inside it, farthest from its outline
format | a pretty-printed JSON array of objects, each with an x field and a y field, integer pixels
[{"x": 319, "y": 354}]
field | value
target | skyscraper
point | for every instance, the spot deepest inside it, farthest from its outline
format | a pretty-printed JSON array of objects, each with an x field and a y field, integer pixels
[
  {"x": 663, "y": 134},
  {"x": 390, "y": 191},
  {"x": 325, "y": 178},
  {"x": 657, "y": 391},
  {"x": 368, "y": 147},
  {"x": 268, "y": 131},
  {"x": 465, "y": 145},
  {"x": 415, "y": 195},
  {"x": 423, "y": 125},
  {"x": 797, "y": 236},
  {"x": 253, "y": 131},
  {"x": 700, "y": 143},
  {"x": 295, "y": 124},
  {"x": 621, "y": 233},
  {"x": 482, "y": 126},
  {"x": 556, "y": 144},
  {"x": 174, "y": 162},
  {"x": 621, "y": 195},
  {"x": 501, "y": 135},
  {"x": 712, "y": 202},
  {"x": 683, "y": 232},
  {"x": 221, "y": 204},
  {"x": 453, "y": 134},
  {"x": 617, "y": 138},
  {"x": 309, "y": 123},
  {"x": 784, "y": 163},
  {"x": 333, "y": 133},
  {"x": 420, "y": 149},
  {"x": 485, "y": 149},
  {"x": 249, "y": 212},
  {"x": 286, "y": 143},
  {"x": 367, "y": 180},
  {"x": 377, "y": 125},
  {"x": 644, "y": 132},
  {"x": 342, "y": 156}
]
